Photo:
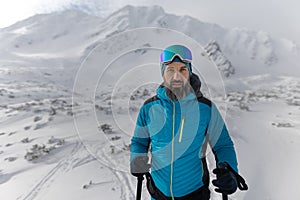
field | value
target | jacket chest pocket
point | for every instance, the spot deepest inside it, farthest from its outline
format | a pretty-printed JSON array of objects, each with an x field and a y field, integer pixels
[{"x": 190, "y": 130}]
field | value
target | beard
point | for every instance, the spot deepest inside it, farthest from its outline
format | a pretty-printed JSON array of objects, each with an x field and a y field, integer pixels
[{"x": 177, "y": 93}]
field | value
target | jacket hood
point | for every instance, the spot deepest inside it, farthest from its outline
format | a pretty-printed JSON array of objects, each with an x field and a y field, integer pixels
[{"x": 196, "y": 84}]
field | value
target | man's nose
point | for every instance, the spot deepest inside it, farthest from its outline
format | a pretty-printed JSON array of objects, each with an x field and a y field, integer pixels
[{"x": 177, "y": 76}]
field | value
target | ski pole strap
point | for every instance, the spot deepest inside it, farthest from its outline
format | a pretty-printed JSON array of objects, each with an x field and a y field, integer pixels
[
  {"x": 139, "y": 187},
  {"x": 240, "y": 180}
]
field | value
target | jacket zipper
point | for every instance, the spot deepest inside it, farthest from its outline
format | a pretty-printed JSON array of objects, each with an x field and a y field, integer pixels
[{"x": 172, "y": 161}]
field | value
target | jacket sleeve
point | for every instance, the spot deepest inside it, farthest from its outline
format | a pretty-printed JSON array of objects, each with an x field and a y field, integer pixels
[
  {"x": 140, "y": 140},
  {"x": 220, "y": 141}
]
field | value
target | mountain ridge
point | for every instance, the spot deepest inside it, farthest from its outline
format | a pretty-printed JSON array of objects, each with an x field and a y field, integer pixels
[{"x": 74, "y": 33}]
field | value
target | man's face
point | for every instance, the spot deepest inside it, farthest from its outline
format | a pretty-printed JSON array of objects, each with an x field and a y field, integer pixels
[{"x": 176, "y": 75}]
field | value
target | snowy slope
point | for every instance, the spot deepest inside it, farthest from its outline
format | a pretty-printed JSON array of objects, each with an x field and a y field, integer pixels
[{"x": 55, "y": 147}]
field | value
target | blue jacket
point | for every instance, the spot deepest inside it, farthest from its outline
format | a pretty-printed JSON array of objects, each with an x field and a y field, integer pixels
[{"x": 176, "y": 133}]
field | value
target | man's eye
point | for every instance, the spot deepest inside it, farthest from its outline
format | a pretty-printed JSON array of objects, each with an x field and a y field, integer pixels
[{"x": 183, "y": 69}]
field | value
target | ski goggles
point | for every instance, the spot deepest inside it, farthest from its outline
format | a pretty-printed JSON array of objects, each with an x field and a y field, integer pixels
[{"x": 171, "y": 52}]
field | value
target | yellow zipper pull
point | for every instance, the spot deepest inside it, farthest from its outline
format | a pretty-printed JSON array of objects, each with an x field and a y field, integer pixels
[{"x": 181, "y": 129}]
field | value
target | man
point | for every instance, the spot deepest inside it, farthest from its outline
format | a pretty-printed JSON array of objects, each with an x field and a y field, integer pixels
[{"x": 175, "y": 126}]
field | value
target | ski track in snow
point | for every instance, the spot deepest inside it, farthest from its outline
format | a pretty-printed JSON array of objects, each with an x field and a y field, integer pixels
[
  {"x": 127, "y": 190},
  {"x": 82, "y": 161},
  {"x": 63, "y": 166}
]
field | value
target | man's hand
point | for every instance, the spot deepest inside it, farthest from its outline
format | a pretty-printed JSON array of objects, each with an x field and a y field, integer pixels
[
  {"x": 226, "y": 182},
  {"x": 139, "y": 166}
]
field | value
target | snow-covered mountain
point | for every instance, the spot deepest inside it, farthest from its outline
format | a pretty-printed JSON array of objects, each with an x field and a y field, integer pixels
[
  {"x": 56, "y": 147},
  {"x": 71, "y": 32}
]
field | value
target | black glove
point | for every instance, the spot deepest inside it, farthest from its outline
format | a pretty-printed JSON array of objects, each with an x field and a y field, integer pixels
[
  {"x": 226, "y": 182},
  {"x": 139, "y": 166}
]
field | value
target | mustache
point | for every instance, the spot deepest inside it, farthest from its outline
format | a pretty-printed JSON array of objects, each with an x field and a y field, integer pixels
[{"x": 176, "y": 81}]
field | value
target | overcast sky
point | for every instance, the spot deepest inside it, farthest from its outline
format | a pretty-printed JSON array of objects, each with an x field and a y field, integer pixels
[{"x": 277, "y": 17}]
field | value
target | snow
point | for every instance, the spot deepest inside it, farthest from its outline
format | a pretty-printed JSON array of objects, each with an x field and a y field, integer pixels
[{"x": 64, "y": 75}]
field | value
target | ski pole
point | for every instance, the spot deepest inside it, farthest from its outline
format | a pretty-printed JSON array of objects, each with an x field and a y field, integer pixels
[
  {"x": 224, "y": 196},
  {"x": 139, "y": 187}
]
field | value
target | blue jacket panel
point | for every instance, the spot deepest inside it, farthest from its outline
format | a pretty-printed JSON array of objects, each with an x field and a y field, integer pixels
[{"x": 175, "y": 131}]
